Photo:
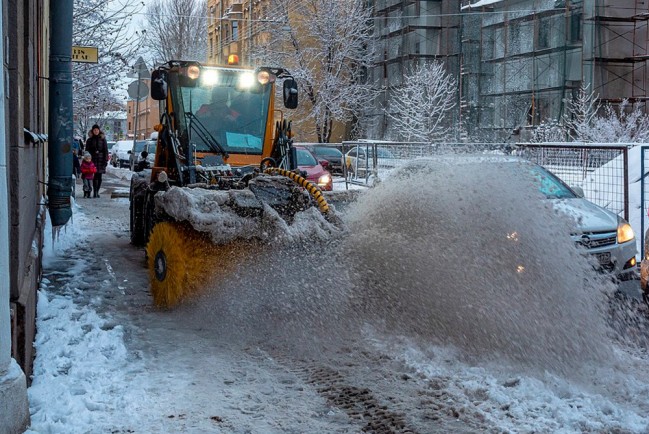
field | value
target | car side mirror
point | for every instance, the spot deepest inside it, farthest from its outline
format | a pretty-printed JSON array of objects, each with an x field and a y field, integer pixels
[
  {"x": 578, "y": 191},
  {"x": 290, "y": 93},
  {"x": 159, "y": 85},
  {"x": 324, "y": 163}
]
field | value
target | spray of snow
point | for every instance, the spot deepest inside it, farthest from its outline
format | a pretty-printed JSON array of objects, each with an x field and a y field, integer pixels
[{"x": 464, "y": 251}]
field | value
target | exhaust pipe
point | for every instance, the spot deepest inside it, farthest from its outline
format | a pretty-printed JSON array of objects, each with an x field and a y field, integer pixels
[{"x": 60, "y": 125}]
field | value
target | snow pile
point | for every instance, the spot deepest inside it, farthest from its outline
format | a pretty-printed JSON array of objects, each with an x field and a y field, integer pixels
[
  {"x": 85, "y": 346},
  {"x": 213, "y": 212}
]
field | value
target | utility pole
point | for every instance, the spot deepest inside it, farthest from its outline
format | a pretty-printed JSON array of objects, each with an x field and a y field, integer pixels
[{"x": 138, "y": 90}]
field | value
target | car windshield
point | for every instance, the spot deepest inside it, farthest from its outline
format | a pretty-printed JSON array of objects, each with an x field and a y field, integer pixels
[
  {"x": 549, "y": 185},
  {"x": 380, "y": 152},
  {"x": 139, "y": 146},
  {"x": 305, "y": 158},
  {"x": 234, "y": 115},
  {"x": 327, "y": 152}
]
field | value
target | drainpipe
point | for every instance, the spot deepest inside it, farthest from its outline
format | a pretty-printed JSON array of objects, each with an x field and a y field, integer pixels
[
  {"x": 60, "y": 128},
  {"x": 5, "y": 327},
  {"x": 14, "y": 407}
]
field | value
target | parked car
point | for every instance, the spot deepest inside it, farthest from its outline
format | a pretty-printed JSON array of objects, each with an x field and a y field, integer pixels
[
  {"x": 602, "y": 233},
  {"x": 136, "y": 152},
  {"x": 120, "y": 153},
  {"x": 110, "y": 149},
  {"x": 315, "y": 173},
  {"x": 332, "y": 156},
  {"x": 360, "y": 160}
]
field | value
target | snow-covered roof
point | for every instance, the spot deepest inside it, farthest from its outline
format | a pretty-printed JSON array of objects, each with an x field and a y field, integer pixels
[
  {"x": 116, "y": 114},
  {"x": 480, "y": 3}
]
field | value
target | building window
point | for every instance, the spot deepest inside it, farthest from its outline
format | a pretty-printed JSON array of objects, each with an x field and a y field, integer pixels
[
  {"x": 575, "y": 27},
  {"x": 211, "y": 46},
  {"x": 235, "y": 30},
  {"x": 543, "y": 40}
]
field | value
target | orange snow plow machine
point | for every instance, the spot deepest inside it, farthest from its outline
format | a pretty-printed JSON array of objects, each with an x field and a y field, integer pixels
[{"x": 224, "y": 175}]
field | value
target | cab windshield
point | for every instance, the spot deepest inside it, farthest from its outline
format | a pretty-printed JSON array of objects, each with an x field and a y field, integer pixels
[{"x": 233, "y": 112}]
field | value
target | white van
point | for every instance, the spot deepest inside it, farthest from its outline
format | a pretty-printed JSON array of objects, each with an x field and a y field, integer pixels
[{"x": 120, "y": 153}]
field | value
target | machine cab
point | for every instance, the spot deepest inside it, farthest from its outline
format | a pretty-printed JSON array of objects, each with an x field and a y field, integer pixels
[{"x": 221, "y": 111}]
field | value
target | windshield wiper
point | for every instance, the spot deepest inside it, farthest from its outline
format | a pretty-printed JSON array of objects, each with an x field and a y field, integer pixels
[{"x": 205, "y": 135}]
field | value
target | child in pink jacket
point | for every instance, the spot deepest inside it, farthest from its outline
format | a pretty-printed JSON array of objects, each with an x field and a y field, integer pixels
[{"x": 88, "y": 171}]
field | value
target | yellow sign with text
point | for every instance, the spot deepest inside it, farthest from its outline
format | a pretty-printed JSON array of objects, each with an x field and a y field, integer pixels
[{"x": 85, "y": 54}]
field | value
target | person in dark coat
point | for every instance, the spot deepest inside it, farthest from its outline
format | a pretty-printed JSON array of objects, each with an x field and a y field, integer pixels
[
  {"x": 76, "y": 165},
  {"x": 98, "y": 148}
]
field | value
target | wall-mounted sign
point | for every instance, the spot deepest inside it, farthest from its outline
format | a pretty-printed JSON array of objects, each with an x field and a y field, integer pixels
[{"x": 85, "y": 54}]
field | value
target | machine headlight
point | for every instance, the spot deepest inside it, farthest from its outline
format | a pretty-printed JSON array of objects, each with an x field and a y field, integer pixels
[
  {"x": 624, "y": 233},
  {"x": 246, "y": 80},
  {"x": 193, "y": 71},
  {"x": 265, "y": 77},
  {"x": 162, "y": 177},
  {"x": 209, "y": 77},
  {"x": 324, "y": 179}
]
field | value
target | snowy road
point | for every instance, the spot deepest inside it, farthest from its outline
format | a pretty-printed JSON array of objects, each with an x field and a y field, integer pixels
[{"x": 284, "y": 345}]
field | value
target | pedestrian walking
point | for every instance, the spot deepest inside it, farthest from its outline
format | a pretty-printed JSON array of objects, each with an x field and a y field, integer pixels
[
  {"x": 98, "y": 148},
  {"x": 88, "y": 171}
]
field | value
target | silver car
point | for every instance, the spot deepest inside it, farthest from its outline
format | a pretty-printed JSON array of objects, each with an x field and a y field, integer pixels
[{"x": 604, "y": 235}]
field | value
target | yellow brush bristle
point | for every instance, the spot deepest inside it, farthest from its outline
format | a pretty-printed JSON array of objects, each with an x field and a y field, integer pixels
[
  {"x": 185, "y": 252},
  {"x": 191, "y": 260}
]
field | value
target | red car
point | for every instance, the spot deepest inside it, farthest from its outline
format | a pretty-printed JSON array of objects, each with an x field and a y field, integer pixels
[{"x": 315, "y": 173}]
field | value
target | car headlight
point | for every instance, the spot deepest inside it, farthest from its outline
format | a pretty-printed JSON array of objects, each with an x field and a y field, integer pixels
[
  {"x": 324, "y": 179},
  {"x": 624, "y": 233}
]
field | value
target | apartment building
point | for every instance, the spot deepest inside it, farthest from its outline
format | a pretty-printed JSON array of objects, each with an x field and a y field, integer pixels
[
  {"x": 523, "y": 59},
  {"x": 147, "y": 113}
]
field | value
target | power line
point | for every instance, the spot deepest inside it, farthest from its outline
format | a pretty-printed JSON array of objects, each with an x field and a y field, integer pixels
[{"x": 458, "y": 14}]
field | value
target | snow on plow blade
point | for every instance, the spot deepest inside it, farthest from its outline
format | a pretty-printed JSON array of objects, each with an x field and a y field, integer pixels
[{"x": 201, "y": 232}]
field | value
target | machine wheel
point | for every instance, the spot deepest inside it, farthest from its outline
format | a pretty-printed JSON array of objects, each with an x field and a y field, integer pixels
[
  {"x": 137, "y": 222},
  {"x": 136, "y": 206},
  {"x": 175, "y": 258}
]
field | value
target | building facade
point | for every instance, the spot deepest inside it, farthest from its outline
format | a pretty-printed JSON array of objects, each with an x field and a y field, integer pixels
[
  {"x": 147, "y": 114},
  {"x": 409, "y": 32},
  {"x": 25, "y": 39},
  {"x": 114, "y": 124},
  {"x": 523, "y": 60},
  {"x": 517, "y": 62}
]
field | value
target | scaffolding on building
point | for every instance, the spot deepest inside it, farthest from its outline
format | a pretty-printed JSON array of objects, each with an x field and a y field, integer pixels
[
  {"x": 410, "y": 32},
  {"x": 619, "y": 52}
]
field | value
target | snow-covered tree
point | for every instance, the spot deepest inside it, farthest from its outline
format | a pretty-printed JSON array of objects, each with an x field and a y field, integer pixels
[
  {"x": 548, "y": 132},
  {"x": 625, "y": 123},
  {"x": 103, "y": 24},
  {"x": 586, "y": 120},
  {"x": 420, "y": 107},
  {"x": 327, "y": 46},
  {"x": 176, "y": 29},
  {"x": 580, "y": 114}
]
